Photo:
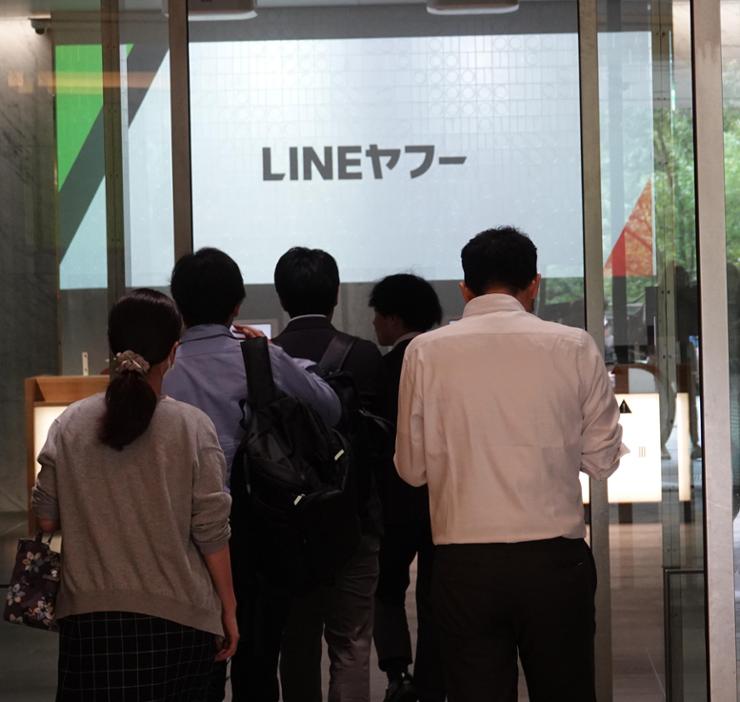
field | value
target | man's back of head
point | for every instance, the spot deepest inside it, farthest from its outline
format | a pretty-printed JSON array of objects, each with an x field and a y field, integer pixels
[
  {"x": 404, "y": 303},
  {"x": 208, "y": 287},
  {"x": 502, "y": 260},
  {"x": 307, "y": 281}
]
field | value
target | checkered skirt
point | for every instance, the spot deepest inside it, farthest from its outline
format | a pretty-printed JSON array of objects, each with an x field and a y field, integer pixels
[{"x": 127, "y": 657}]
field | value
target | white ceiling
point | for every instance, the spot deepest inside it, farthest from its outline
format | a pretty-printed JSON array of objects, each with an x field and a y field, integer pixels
[{"x": 25, "y": 8}]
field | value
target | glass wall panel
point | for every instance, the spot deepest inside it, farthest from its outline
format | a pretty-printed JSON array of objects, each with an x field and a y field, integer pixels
[
  {"x": 388, "y": 137},
  {"x": 141, "y": 163},
  {"x": 653, "y": 345},
  {"x": 56, "y": 169},
  {"x": 81, "y": 191},
  {"x": 147, "y": 149}
]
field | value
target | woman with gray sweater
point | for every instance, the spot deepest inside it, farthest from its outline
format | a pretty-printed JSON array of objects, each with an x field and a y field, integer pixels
[{"x": 135, "y": 482}]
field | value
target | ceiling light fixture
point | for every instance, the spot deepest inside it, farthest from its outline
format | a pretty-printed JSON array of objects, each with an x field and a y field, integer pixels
[
  {"x": 208, "y": 10},
  {"x": 471, "y": 7}
]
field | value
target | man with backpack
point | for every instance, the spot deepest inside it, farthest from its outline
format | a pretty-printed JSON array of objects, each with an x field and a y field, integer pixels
[
  {"x": 307, "y": 282},
  {"x": 209, "y": 373}
]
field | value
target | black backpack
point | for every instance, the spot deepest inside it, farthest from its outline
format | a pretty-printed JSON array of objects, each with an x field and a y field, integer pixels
[
  {"x": 370, "y": 436},
  {"x": 294, "y": 510}
]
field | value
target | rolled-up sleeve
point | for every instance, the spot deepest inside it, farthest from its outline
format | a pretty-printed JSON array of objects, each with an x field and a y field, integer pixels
[
  {"x": 410, "y": 456},
  {"x": 44, "y": 500},
  {"x": 601, "y": 436},
  {"x": 211, "y": 503},
  {"x": 292, "y": 378}
]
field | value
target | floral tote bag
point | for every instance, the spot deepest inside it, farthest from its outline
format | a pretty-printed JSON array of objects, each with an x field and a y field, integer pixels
[{"x": 34, "y": 584}]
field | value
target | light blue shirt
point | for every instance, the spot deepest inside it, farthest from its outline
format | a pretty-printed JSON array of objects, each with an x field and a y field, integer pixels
[{"x": 209, "y": 374}]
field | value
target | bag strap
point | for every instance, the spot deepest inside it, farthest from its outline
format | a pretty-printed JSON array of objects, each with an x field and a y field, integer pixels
[
  {"x": 261, "y": 389},
  {"x": 336, "y": 353}
]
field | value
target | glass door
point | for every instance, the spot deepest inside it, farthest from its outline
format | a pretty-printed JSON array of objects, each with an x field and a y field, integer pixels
[
  {"x": 389, "y": 137},
  {"x": 653, "y": 345}
]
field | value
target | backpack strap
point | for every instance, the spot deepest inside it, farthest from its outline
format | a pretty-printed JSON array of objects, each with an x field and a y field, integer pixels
[
  {"x": 336, "y": 353},
  {"x": 260, "y": 382}
]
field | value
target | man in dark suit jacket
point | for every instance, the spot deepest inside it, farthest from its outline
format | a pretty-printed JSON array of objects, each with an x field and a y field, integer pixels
[
  {"x": 307, "y": 282},
  {"x": 405, "y": 306}
]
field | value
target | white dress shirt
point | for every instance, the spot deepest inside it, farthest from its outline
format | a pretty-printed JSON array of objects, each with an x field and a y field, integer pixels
[{"x": 498, "y": 413}]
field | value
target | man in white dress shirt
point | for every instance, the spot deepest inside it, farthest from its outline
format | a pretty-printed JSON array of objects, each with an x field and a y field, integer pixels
[{"x": 498, "y": 414}]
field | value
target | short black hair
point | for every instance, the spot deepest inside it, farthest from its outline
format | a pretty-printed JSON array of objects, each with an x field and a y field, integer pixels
[
  {"x": 409, "y": 297},
  {"x": 207, "y": 286},
  {"x": 307, "y": 281},
  {"x": 501, "y": 257}
]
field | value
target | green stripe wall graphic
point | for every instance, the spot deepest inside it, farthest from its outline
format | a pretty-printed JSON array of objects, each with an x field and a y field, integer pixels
[
  {"x": 81, "y": 165},
  {"x": 79, "y": 100}
]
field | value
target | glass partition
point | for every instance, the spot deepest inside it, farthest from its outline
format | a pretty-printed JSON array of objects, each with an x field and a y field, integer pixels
[
  {"x": 388, "y": 137},
  {"x": 66, "y": 75},
  {"x": 137, "y": 167}
]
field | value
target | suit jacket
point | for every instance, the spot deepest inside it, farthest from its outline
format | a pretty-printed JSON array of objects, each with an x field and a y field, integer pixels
[
  {"x": 309, "y": 337},
  {"x": 402, "y": 503}
]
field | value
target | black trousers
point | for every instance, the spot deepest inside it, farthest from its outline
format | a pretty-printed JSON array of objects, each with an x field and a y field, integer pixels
[
  {"x": 399, "y": 546},
  {"x": 535, "y": 598},
  {"x": 261, "y": 612}
]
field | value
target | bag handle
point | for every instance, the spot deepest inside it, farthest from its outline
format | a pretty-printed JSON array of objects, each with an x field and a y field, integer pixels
[
  {"x": 261, "y": 389},
  {"x": 41, "y": 534},
  {"x": 336, "y": 353}
]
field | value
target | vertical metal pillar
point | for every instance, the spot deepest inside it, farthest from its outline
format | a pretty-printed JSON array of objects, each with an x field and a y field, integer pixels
[
  {"x": 594, "y": 285},
  {"x": 112, "y": 126},
  {"x": 710, "y": 218},
  {"x": 182, "y": 192}
]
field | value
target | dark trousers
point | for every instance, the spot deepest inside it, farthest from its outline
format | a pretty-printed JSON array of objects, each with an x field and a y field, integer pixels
[
  {"x": 535, "y": 598},
  {"x": 402, "y": 543},
  {"x": 262, "y": 611},
  {"x": 343, "y": 613}
]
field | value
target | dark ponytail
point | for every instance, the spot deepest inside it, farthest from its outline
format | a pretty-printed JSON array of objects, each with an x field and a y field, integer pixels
[{"x": 142, "y": 328}]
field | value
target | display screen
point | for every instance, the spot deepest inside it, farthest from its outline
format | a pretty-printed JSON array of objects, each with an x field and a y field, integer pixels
[{"x": 388, "y": 152}]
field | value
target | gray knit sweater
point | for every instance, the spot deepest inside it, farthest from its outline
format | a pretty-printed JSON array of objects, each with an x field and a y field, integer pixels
[{"x": 136, "y": 522}]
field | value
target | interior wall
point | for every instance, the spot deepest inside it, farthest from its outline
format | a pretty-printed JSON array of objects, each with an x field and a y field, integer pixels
[{"x": 28, "y": 268}]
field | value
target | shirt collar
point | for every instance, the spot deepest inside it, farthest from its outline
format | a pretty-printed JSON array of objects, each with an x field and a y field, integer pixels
[
  {"x": 200, "y": 331},
  {"x": 493, "y": 302},
  {"x": 406, "y": 337},
  {"x": 308, "y": 316},
  {"x": 205, "y": 339}
]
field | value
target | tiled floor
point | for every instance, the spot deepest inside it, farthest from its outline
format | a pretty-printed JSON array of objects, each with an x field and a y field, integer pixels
[{"x": 28, "y": 658}]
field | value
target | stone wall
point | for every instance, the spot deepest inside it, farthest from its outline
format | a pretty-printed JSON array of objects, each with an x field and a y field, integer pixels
[{"x": 28, "y": 265}]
